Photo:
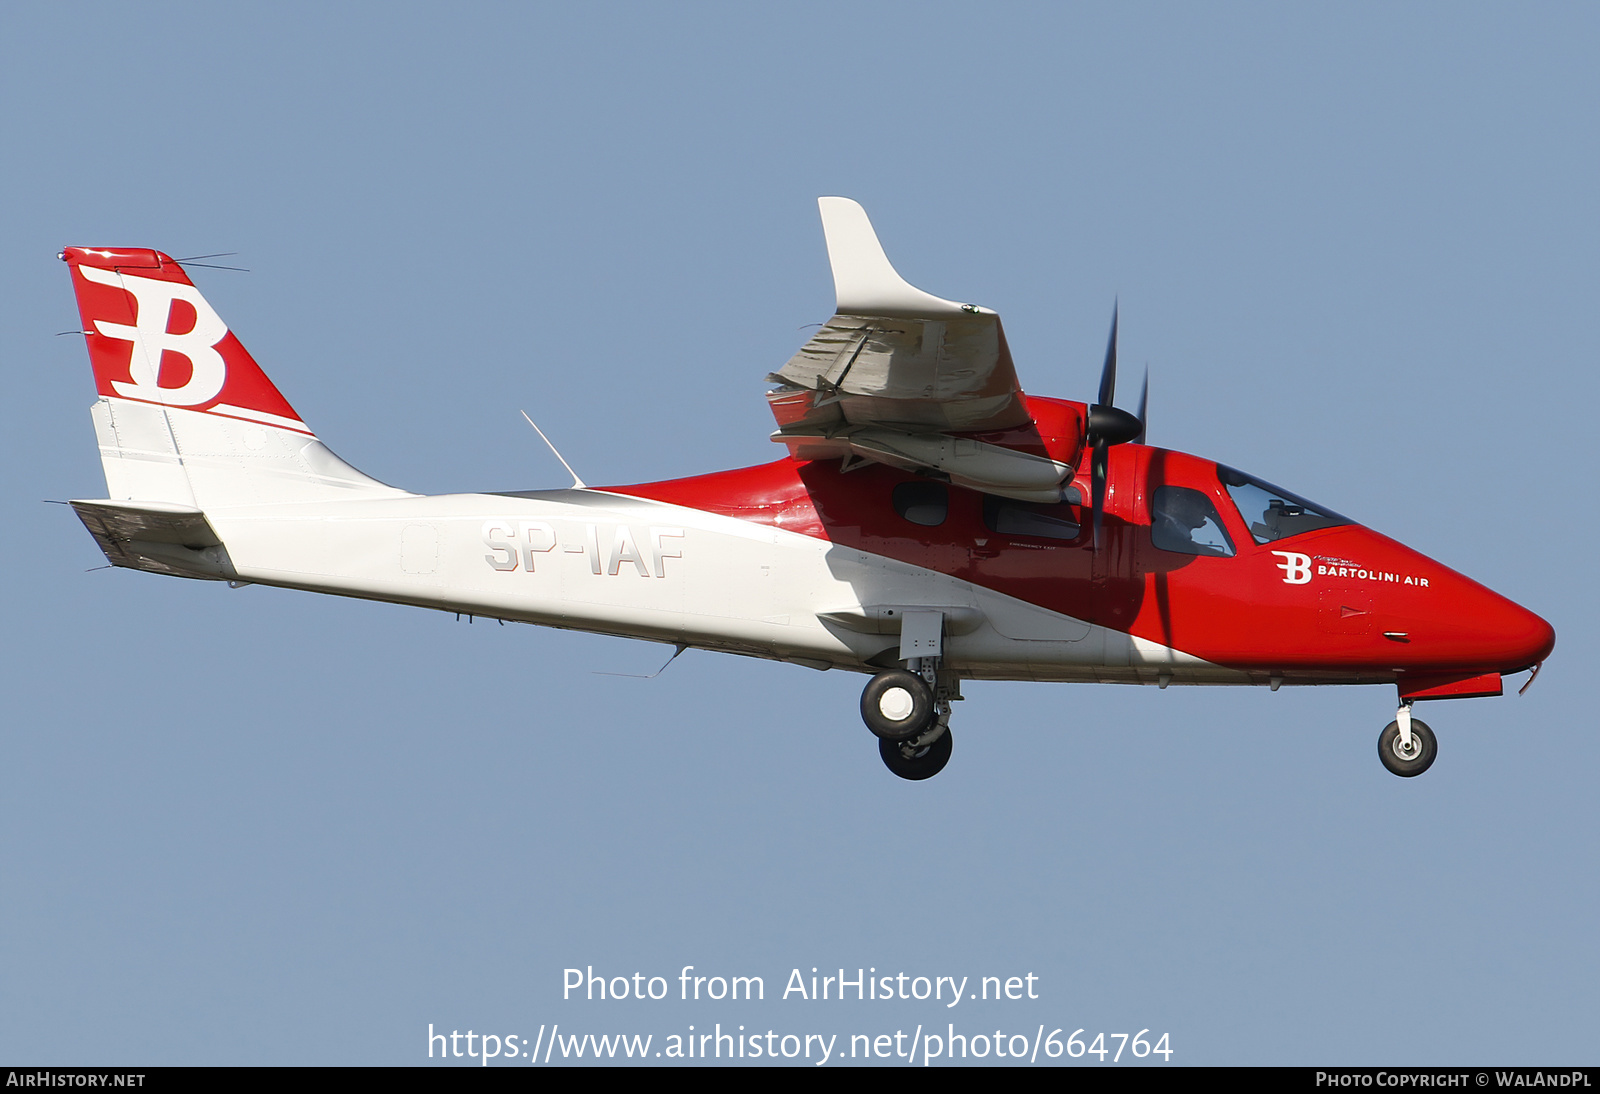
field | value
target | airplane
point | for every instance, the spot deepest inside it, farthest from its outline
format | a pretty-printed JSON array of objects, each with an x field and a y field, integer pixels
[{"x": 929, "y": 523}]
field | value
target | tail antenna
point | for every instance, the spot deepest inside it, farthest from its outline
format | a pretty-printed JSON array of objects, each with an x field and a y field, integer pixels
[{"x": 195, "y": 261}]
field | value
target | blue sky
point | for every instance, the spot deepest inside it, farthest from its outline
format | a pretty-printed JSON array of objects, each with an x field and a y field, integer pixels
[{"x": 1357, "y": 248}]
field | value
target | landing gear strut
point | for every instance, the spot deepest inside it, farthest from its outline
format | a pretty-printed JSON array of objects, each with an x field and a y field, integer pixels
[
  {"x": 1407, "y": 746},
  {"x": 908, "y": 710}
]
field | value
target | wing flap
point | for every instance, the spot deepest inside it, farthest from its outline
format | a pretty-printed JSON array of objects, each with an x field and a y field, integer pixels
[{"x": 943, "y": 374}]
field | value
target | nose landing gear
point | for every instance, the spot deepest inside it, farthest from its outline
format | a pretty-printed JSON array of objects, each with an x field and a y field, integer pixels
[
  {"x": 908, "y": 710},
  {"x": 1407, "y": 746}
]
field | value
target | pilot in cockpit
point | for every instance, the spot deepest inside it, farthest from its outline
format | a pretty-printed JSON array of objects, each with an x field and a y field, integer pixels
[{"x": 1183, "y": 520}]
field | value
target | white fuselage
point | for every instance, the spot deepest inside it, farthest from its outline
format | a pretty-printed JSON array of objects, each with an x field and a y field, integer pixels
[{"x": 613, "y": 564}]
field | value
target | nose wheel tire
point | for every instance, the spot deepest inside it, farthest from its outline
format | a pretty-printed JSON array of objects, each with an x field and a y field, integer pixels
[
  {"x": 1408, "y": 763},
  {"x": 898, "y": 705},
  {"x": 923, "y": 763}
]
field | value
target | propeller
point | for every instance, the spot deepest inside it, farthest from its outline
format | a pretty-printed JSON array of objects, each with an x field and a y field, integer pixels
[
  {"x": 1144, "y": 405},
  {"x": 1109, "y": 426}
]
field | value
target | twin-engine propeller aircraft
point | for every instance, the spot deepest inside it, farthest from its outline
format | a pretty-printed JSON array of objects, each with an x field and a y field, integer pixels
[{"x": 930, "y": 523}]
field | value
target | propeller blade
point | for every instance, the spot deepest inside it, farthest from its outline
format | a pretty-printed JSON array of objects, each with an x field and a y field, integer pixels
[
  {"x": 1106, "y": 423},
  {"x": 1108, "y": 426},
  {"x": 1144, "y": 406},
  {"x": 1108, "y": 374}
]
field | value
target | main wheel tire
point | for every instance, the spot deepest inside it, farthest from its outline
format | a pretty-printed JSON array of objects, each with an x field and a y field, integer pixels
[
  {"x": 1408, "y": 764},
  {"x": 897, "y": 705},
  {"x": 925, "y": 763}
]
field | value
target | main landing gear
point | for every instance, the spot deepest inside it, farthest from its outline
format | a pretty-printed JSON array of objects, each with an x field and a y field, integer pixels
[
  {"x": 1407, "y": 746},
  {"x": 908, "y": 710}
]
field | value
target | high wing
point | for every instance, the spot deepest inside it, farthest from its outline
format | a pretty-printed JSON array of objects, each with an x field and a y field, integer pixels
[{"x": 897, "y": 373}]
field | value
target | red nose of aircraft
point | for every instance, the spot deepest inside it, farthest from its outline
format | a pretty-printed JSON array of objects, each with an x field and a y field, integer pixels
[
  {"x": 1476, "y": 628},
  {"x": 1514, "y": 636}
]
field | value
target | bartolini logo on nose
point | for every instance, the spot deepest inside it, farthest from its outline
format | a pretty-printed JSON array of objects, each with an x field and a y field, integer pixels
[{"x": 1297, "y": 571}]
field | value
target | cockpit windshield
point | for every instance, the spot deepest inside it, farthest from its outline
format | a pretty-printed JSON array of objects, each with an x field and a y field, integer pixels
[{"x": 1273, "y": 514}]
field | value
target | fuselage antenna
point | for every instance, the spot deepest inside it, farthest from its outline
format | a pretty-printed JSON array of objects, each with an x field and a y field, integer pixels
[{"x": 577, "y": 483}]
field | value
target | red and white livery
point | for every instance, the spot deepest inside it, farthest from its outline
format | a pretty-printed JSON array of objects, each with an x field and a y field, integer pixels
[{"x": 929, "y": 523}]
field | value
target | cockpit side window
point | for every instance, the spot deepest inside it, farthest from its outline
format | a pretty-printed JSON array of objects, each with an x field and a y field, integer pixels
[
  {"x": 1185, "y": 521},
  {"x": 1272, "y": 513},
  {"x": 922, "y": 502}
]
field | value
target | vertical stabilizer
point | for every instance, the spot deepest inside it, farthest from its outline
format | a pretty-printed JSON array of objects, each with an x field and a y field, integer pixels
[{"x": 186, "y": 416}]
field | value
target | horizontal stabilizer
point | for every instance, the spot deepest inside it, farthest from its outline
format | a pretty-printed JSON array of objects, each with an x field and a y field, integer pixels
[{"x": 156, "y": 537}]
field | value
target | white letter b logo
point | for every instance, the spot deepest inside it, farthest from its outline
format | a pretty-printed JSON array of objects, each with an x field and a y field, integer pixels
[
  {"x": 150, "y": 339},
  {"x": 1296, "y": 567}
]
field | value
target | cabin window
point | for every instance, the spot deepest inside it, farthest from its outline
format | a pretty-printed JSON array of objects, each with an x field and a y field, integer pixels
[
  {"x": 922, "y": 502},
  {"x": 1185, "y": 521},
  {"x": 1271, "y": 513},
  {"x": 1020, "y": 518}
]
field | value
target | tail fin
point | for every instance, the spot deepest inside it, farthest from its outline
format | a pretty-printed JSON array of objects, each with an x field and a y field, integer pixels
[{"x": 186, "y": 416}]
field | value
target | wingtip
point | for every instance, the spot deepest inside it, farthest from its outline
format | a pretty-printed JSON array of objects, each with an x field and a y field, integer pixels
[{"x": 865, "y": 282}]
